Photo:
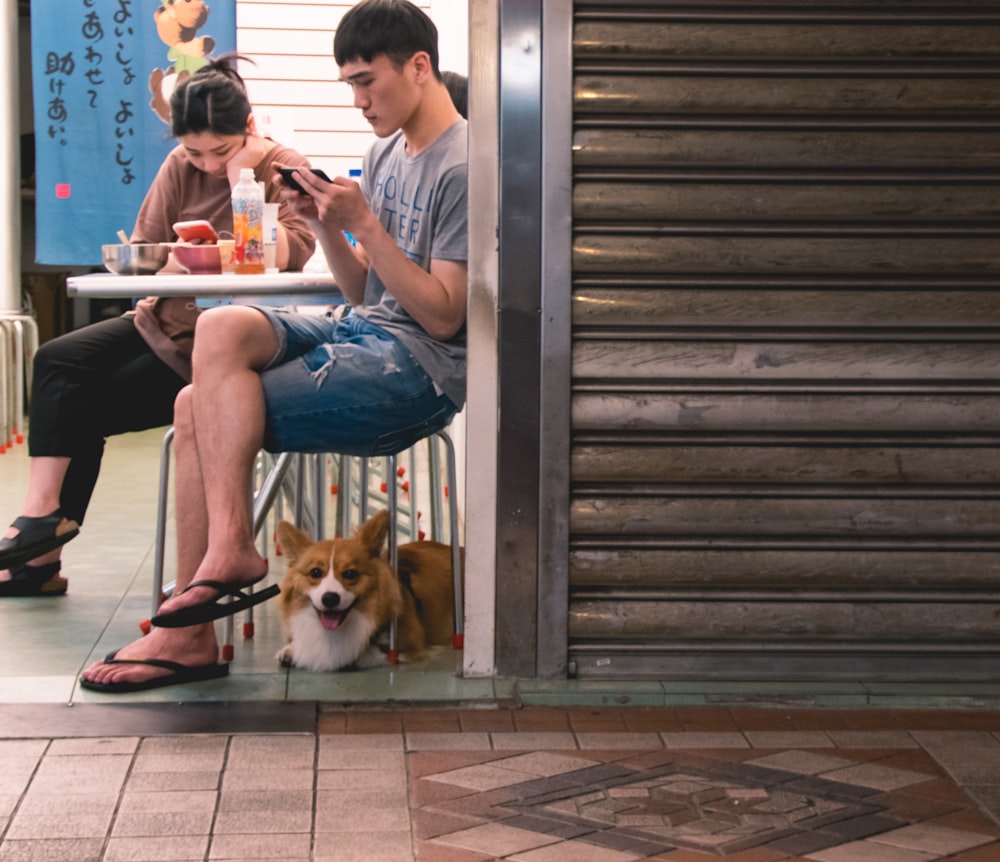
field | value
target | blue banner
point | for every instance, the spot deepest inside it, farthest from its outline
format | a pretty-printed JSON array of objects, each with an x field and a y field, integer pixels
[{"x": 103, "y": 71}]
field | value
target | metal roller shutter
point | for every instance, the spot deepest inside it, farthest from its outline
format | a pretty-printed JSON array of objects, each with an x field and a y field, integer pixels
[{"x": 785, "y": 454}]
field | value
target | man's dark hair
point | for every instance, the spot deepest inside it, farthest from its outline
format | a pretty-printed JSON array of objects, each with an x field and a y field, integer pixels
[{"x": 395, "y": 28}]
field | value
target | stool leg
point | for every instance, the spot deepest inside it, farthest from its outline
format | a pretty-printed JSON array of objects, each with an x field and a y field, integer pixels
[
  {"x": 261, "y": 473},
  {"x": 345, "y": 486},
  {"x": 363, "y": 491},
  {"x": 228, "y": 647},
  {"x": 30, "y": 349},
  {"x": 17, "y": 430},
  {"x": 161, "y": 527},
  {"x": 456, "y": 549},
  {"x": 412, "y": 488},
  {"x": 278, "y": 508},
  {"x": 435, "y": 495},
  {"x": 300, "y": 488},
  {"x": 249, "y": 629},
  {"x": 269, "y": 489},
  {"x": 161, "y": 519},
  {"x": 5, "y": 406},
  {"x": 319, "y": 498},
  {"x": 263, "y": 501},
  {"x": 390, "y": 490}
]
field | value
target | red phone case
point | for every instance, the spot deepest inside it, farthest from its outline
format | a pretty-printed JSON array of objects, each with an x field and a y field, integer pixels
[{"x": 199, "y": 229}]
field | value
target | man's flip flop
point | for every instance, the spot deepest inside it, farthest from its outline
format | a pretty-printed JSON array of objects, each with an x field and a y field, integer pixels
[
  {"x": 214, "y": 609},
  {"x": 37, "y": 536},
  {"x": 180, "y": 674}
]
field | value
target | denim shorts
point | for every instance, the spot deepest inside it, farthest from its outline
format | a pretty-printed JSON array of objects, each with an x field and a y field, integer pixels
[{"x": 346, "y": 386}]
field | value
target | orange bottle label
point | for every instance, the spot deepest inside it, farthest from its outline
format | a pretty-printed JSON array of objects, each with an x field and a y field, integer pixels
[{"x": 248, "y": 251}]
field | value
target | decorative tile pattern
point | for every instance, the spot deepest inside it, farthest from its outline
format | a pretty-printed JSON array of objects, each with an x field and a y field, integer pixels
[
  {"x": 766, "y": 791},
  {"x": 678, "y": 803},
  {"x": 673, "y": 806}
]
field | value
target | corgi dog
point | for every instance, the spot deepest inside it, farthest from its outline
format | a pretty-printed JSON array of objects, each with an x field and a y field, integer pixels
[{"x": 339, "y": 597}]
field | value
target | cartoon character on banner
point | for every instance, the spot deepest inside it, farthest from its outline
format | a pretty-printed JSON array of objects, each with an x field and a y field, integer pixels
[{"x": 177, "y": 23}]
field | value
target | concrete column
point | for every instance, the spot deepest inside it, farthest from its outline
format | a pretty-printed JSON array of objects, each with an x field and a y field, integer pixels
[{"x": 10, "y": 165}]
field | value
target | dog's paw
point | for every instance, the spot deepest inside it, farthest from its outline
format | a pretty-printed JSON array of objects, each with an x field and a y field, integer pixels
[
  {"x": 372, "y": 657},
  {"x": 419, "y": 655},
  {"x": 284, "y": 656}
]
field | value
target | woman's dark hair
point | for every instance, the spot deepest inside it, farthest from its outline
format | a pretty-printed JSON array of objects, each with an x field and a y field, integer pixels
[
  {"x": 213, "y": 99},
  {"x": 395, "y": 28}
]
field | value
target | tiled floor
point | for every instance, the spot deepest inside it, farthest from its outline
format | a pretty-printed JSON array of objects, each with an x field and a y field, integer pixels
[
  {"x": 417, "y": 763},
  {"x": 110, "y": 572},
  {"x": 530, "y": 784}
]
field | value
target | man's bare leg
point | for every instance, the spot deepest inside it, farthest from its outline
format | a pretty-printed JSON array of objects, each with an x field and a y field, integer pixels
[
  {"x": 215, "y": 451},
  {"x": 192, "y": 645},
  {"x": 228, "y": 413}
]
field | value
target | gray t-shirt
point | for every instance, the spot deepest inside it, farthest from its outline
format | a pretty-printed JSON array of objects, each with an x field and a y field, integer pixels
[{"x": 422, "y": 202}]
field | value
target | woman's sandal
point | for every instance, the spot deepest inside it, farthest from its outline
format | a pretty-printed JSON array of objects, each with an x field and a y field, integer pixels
[
  {"x": 28, "y": 580},
  {"x": 37, "y": 536}
]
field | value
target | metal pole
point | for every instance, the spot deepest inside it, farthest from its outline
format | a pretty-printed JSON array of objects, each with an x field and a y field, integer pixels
[
  {"x": 14, "y": 366},
  {"x": 10, "y": 167}
]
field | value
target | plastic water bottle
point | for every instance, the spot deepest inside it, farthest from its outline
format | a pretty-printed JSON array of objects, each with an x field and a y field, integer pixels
[
  {"x": 248, "y": 224},
  {"x": 354, "y": 174}
]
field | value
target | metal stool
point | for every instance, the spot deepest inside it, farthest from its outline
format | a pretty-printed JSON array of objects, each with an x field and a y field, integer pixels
[
  {"x": 18, "y": 345},
  {"x": 289, "y": 471}
]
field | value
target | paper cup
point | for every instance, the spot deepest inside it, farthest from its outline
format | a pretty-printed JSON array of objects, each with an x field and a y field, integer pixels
[
  {"x": 226, "y": 249},
  {"x": 270, "y": 236}
]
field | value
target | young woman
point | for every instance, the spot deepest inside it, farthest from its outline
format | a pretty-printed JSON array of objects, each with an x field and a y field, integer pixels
[{"x": 123, "y": 374}]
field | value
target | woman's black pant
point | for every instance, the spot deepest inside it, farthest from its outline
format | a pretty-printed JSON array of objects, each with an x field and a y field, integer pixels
[{"x": 96, "y": 381}]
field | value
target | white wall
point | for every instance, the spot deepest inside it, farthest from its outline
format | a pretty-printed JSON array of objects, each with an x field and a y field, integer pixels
[
  {"x": 452, "y": 20},
  {"x": 293, "y": 81}
]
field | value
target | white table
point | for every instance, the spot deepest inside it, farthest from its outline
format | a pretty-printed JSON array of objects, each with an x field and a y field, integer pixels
[{"x": 285, "y": 288}]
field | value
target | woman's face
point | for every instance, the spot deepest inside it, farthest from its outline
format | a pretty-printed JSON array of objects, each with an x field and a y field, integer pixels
[{"x": 209, "y": 152}]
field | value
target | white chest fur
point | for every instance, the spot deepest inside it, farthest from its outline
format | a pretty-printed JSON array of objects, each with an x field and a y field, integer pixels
[{"x": 315, "y": 648}]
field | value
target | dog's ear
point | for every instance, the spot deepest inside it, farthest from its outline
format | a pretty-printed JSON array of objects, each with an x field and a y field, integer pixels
[
  {"x": 372, "y": 532},
  {"x": 293, "y": 540}
]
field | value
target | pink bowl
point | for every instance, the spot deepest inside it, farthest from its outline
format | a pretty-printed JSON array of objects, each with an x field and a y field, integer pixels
[{"x": 198, "y": 259}]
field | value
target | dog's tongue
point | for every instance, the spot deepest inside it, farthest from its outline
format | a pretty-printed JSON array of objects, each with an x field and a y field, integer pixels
[{"x": 332, "y": 619}]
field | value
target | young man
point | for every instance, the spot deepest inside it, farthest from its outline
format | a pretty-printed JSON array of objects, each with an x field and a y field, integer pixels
[{"x": 389, "y": 374}]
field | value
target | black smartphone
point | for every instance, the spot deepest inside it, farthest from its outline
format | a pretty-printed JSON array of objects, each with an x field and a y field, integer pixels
[{"x": 286, "y": 176}]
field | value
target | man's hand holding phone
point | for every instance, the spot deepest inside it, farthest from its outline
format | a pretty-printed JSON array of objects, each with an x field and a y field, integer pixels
[
  {"x": 291, "y": 182},
  {"x": 332, "y": 206}
]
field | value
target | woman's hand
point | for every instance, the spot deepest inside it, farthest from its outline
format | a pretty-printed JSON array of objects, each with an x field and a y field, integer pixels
[{"x": 248, "y": 156}]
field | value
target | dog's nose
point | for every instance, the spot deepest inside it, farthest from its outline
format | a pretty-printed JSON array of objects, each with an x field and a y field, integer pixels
[{"x": 331, "y": 600}]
